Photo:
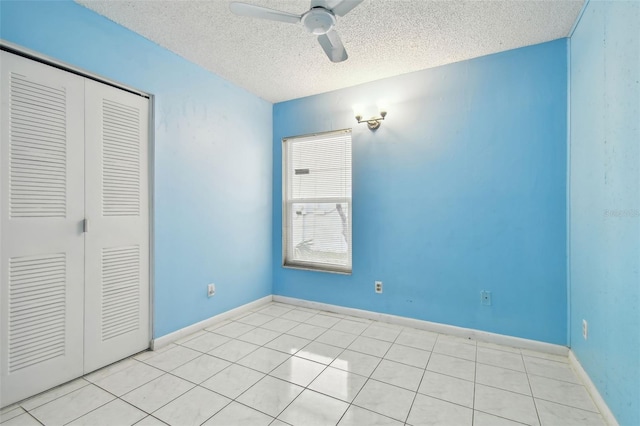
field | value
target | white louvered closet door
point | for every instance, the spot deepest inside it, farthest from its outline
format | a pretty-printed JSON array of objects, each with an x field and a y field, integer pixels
[
  {"x": 117, "y": 238},
  {"x": 41, "y": 241}
]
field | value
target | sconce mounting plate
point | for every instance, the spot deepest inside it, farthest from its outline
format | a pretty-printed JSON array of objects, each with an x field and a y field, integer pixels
[{"x": 373, "y": 123}]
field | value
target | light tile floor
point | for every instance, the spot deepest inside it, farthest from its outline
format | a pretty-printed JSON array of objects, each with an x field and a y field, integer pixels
[{"x": 283, "y": 364}]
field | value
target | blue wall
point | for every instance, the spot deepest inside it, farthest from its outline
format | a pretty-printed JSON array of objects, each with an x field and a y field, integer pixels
[
  {"x": 605, "y": 202},
  {"x": 212, "y": 166},
  {"x": 463, "y": 188}
]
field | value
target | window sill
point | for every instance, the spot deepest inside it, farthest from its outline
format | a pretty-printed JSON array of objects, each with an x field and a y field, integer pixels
[{"x": 312, "y": 269}]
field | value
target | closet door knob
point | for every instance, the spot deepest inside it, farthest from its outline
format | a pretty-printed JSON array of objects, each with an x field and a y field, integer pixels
[{"x": 85, "y": 225}]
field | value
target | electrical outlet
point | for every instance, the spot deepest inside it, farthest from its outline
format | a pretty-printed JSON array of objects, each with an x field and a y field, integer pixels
[
  {"x": 485, "y": 297},
  {"x": 378, "y": 287},
  {"x": 585, "y": 329},
  {"x": 211, "y": 290}
]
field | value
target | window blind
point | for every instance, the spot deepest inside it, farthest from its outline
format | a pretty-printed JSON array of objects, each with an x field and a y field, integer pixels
[{"x": 317, "y": 201}]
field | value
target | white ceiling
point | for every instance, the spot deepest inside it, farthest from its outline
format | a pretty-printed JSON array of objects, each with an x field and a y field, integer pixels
[{"x": 383, "y": 38}]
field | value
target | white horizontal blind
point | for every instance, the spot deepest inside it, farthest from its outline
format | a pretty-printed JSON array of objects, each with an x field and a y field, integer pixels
[{"x": 317, "y": 201}]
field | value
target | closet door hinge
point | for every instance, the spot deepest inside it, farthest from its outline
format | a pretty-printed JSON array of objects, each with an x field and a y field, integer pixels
[{"x": 85, "y": 225}]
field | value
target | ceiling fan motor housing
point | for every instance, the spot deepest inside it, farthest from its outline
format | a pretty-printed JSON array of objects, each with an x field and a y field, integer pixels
[{"x": 318, "y": 20}]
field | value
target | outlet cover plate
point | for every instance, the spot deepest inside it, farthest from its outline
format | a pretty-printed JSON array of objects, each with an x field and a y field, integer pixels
[
  {"x": 378, "y": 286},
  {"x": 485, "y": 297},
  {"x": 211, "y": 290}
]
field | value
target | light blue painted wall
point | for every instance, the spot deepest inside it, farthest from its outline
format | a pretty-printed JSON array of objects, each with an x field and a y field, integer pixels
[
  {"x": 213, "y": 167},
  {"x": 605, "y": 202},
  {"x": 463, "y": 188}
]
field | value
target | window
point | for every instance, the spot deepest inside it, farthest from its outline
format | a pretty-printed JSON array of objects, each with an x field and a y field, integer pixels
[{"x": 316, "y": 201}]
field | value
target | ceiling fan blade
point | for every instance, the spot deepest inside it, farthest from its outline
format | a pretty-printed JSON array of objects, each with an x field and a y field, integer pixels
[
  {"x": 253, "y": 11},
  {"x": 345, "y": 6},
  {"x": 332, "y": 46}
]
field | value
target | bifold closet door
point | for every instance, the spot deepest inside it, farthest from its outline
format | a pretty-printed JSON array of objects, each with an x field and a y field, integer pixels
[
  {"x": 117, "y": 237},
  {"x": 41, "y": 239}
]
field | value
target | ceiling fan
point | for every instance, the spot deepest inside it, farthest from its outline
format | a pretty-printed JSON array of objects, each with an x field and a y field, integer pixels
[{"x": 320, "y": 20}]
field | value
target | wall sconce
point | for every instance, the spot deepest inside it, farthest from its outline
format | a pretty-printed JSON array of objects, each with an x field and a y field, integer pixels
[{"x": 373, "y": 122}]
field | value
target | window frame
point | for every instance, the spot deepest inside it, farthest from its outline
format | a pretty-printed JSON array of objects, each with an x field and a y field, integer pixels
[{"x": 287, "y": 205}]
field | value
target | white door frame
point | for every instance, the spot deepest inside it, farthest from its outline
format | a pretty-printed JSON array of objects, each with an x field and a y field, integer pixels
[{"x": 47, "y": 60}]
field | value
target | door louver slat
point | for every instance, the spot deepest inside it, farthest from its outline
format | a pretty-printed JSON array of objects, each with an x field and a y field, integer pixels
[
  {"x": 121, "y": 160},
  {"x": 41, "y": 306},
  {"x": 38, "y": 128},
  {"x": 120, "y": 291},
  {"x": 33, "y": 138},
  {"x": 37, "y": 321}
]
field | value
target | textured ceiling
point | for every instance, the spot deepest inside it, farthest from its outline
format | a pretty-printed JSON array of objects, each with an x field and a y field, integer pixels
[{"x": 279, "y": 61}]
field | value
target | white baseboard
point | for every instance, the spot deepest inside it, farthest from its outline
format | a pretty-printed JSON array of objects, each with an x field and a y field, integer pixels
[
  {"x": 452, "y": 330},
  {"x": 159, "y": 342},
  {"x": 593, "y": 391}
]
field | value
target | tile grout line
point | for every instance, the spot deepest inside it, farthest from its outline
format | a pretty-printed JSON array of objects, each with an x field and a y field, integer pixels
[
  {"x": 195, "y": 385},
  {"x": 424, "y": 371},
  {"x": 290, "y": 356},
  {"x": 115, "y": 397},
  {"x": 368, "y": 325},
  {"x": 91, "y": 411},
  {"x": 374, "y": 370},
  {"x": 475, "y": 380},
  {"x": 327, "y": 366},
  {"x": 350, "y": 404},
  {"x": 168, "y": 402},
  {"x": 75, "y": 390},
  {"x": 383, "y": 357},
  {"x": 535, "y": 406}
]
